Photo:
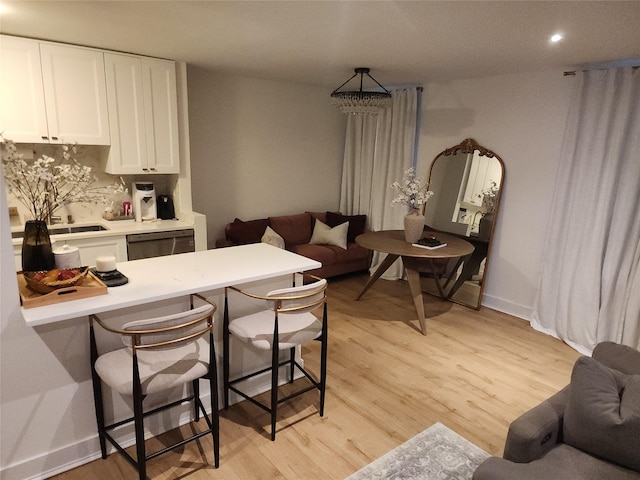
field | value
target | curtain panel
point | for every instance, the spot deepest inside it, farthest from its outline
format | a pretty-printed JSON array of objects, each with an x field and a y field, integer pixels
[
  {"x": 589, "y": 287},
  {"x": 378, "y": 149}
]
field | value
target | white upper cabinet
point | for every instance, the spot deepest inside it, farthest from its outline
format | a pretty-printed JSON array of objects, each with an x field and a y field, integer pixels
[
  {"x": 52, "y": 93},
  {"x": 143, "y": 115},
  {"x": 22, "y": 113}
]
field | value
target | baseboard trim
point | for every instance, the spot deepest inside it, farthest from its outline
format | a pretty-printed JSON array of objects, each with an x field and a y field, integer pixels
[
  {"x": 87, "y": 450},
  {"x": 508, "y": 307}
]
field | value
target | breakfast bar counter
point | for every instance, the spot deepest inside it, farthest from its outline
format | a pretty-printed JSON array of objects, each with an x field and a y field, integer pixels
[{"x": 172, "y": 276}]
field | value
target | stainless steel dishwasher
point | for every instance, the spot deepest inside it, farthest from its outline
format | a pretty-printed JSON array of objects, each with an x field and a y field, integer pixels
[{"x": 158, "y": 244}]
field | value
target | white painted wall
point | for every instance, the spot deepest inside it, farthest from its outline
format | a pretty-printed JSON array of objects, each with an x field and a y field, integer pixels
[
  {"x": 521, "y": 118},
  {"x": 261, "y": 148}
]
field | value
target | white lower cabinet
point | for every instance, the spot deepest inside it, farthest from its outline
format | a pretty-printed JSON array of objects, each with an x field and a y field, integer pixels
[{"x": 90, "y": 249}]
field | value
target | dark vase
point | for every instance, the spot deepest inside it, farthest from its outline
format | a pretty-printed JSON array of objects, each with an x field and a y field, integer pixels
[
  {"x": 485, "y": 226},
  {"x": 37, "y": 253}
]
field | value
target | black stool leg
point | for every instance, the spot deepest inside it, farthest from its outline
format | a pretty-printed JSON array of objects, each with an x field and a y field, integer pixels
[
  {"x": 139, "y": 420},
  {"x": 275, "y": 359},
  {"x": 225, "y": 351},
  {"x": 215, "y": 412},
  {"x": 97, "y": 392},
  {"x": 323, "y": 359},
  {"x": 292, "y": 364},
  {"x": 196, "y": 399}
]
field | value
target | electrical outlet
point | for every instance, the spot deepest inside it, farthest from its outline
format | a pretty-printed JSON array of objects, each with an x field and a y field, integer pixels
[{"x": 13, "y": 211}]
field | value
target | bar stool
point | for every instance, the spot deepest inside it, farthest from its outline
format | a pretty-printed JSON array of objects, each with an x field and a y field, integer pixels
[{"x": 159, "y": 354}]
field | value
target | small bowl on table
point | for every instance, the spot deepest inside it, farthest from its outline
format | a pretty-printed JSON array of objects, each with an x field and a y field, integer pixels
[{"x": 47, "y": 281}]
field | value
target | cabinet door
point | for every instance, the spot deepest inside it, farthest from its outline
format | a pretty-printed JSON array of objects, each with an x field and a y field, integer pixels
[
  {"x": 75, "y": 94},
  {"x": 162, "y": 115},
  {"x": 479, "y": 174},
  {"x": 128, "y": 153},
  {"x": 143, "y": 115},
  {"x": 22, "y": 116},
  {"x": 92, "y": 248}
]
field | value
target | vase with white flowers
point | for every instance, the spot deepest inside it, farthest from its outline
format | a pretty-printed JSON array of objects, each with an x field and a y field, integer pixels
[
  {"x": 414, "y": 194},
  {"x": 43, "y": 186}
]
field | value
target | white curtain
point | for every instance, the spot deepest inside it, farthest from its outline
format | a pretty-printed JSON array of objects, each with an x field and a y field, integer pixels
[
  {"x": 377, "y": 151},
  {"x": 590, "y": 282}
]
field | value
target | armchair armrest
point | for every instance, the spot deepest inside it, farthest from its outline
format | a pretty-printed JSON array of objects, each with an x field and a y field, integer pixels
[{"x": 537, "y": 431}]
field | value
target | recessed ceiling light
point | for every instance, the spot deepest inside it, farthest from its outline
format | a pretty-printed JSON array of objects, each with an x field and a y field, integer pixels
[{"x": 556, "y": 37}]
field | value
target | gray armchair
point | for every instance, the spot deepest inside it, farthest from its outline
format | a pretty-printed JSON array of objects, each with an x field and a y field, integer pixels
[{"x": 588, "y": 430}]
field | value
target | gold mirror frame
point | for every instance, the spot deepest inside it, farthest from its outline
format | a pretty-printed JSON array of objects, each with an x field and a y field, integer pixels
[{"x": 461, "y": 178}]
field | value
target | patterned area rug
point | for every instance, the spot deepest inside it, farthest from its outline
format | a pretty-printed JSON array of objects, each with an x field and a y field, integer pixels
[{"x": 435, "y": 454}]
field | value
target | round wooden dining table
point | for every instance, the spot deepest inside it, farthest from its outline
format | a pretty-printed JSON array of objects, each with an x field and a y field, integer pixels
[{"x": 415, "y": 260}]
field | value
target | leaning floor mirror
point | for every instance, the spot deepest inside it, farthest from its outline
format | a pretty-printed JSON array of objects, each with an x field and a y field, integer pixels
[{"x": 467, "y": 181}]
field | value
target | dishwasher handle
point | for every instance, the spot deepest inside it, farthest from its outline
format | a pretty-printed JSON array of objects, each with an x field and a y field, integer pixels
[{"x": 145, "y": 237}]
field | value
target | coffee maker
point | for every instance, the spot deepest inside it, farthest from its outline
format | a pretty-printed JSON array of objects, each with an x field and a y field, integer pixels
[{"x": 144, "y": 201}]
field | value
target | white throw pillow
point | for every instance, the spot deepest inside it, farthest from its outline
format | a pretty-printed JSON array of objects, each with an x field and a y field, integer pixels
[
  {"x": 272, "y": 238},
  {"x": 325, "y": 235}
]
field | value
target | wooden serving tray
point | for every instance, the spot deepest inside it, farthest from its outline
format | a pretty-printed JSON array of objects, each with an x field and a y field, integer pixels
[{"x": 90, "y": 287}]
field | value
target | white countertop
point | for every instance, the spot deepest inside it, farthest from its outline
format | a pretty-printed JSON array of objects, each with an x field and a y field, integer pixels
[
  {"x": 160, "y": 278},
  {"x": 115, "y": 227}
]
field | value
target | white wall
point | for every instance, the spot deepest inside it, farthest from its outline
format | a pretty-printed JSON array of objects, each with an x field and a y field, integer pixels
[
  {"x": 261, "y": 148},
  {"x": 521, "y": 118}
]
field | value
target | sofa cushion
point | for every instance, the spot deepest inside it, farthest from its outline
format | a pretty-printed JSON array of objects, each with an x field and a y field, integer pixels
[
  {"x": 330, "y": 254},
  {"x": 357, "y": 223},
  {"x": 322, "y": 216},
  {"x": 602, "y": 416},
  {"x": 272, "y": 238},
  {"x": 325, "y": 235},
  {"x": 295, "y": 229},
  {"x": 242, "y": 233}
]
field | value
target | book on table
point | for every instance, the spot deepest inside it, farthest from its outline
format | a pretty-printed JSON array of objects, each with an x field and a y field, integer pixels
[{"x": 430, "y": 243}]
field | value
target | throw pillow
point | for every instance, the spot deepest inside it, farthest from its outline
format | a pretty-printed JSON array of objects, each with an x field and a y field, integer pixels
[
  {"x": 272, "y": 238},
  {"x": 241, "y": 233},
  {"x": 325, "y": 235},
  {"x": 357, "y": 223},
  {"x": 602, "y": 416},
  {"x": 295, "y": 229}
]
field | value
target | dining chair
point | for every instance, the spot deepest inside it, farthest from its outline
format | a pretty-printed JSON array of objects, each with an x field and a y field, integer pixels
[
  {"x": 159, "y": 354},
  {"x": 286, "y": 322}
]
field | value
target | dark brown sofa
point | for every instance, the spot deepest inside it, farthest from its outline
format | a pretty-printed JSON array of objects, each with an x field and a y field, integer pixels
[
  {"x": 297, "y": 230},
  {"x": 589, "y": 430}
]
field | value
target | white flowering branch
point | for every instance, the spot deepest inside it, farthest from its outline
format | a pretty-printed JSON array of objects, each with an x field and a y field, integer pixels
[
  {"x": 46, "y": 184},
  {"x": 411, "y": 191},
  {"x": 489, "y": 197}
]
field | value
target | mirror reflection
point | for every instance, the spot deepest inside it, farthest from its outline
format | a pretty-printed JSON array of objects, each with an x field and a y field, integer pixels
[{"x": 466, "y": 180}]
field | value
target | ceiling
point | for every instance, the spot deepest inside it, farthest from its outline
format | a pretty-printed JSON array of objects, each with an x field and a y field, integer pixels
[{"x": 320, "y": 42}]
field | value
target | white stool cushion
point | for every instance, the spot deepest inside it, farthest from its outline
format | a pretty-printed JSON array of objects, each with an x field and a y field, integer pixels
[
  {"x": 160, "y": 369},
  {"x": 293, "y": 329}
]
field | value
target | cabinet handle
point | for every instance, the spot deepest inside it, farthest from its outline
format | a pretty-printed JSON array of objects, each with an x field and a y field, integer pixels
[
  {"x": 54, "y": 138},
  {"x": 152, "y": 169},
  {"x": 44, "y": 137},
  {"x": 145, "y": 169}
]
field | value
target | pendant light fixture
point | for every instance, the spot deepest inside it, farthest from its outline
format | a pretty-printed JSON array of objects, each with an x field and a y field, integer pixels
[{"x": 368, "y": 102}]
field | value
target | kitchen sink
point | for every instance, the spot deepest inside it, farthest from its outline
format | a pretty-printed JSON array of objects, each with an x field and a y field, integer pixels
[{"x": 60, "y": 230}]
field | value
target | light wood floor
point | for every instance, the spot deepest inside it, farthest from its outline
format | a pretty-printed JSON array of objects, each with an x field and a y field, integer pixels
[{"x": 474, "y": 372}]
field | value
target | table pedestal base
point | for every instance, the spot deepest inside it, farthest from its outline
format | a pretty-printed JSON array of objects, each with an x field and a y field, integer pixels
[{"x": 412, "y": 266}]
